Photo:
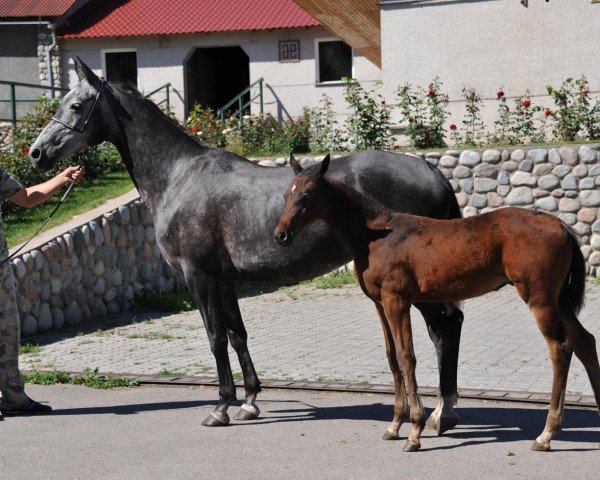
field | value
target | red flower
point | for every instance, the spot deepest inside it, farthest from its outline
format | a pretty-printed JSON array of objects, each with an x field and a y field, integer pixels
[
  {"x": 194, "y": 130},
  {"x": 452, "y": 126},
  {"x": 431, "y": 92},
  {"x": 547, "y": 112},
  {"x": 25, "y": 150},
  {"x": 526, "y": 103},
  {"x": 586, "y": 92},
  {"x": 500, "y": 94}
]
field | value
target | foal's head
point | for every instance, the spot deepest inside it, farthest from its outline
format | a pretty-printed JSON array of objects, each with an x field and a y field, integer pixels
[{"x": 302, "y": 202}]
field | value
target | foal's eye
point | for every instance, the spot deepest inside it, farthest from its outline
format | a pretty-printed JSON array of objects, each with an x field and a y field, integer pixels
[
  {"x": 76, "y": 107},
  {"x": 305, "y": 199}
]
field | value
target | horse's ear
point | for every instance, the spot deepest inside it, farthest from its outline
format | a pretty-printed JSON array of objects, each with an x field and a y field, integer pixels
[
  {"x": 85, "y": 73},
  {"x": 296, "y": 167},
  {"x": 325, "y": 165}
]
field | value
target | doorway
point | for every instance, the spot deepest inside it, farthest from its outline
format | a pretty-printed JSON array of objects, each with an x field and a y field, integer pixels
[{"x": 216, "y": 75}]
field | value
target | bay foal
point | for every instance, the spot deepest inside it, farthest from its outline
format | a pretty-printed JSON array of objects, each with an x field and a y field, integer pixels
[{"x": 401, "y": 259}]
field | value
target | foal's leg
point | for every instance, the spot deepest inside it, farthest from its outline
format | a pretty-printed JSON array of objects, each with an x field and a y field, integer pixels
[
  {"x": 584, "y": 345},
  {"x": 397, "y": 311},
  {"x": 560, "y": 346},
  {"x": 444, "y": 323},
  {"x": 239, "y": 341},
  {"x": 207, "y": 295},
  {"x": 400, "y": 403}
]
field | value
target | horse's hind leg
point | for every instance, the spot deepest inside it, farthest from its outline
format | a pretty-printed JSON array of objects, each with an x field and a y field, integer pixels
[
  {"x": 239, "y": 341},
  {"x": 400, "y": 403},
  {"x": 560, "y": 346},
  {"x": 444, "y": 323},
  {"x": 207, "y": 295},
  {"x": 584, "y": 345}
]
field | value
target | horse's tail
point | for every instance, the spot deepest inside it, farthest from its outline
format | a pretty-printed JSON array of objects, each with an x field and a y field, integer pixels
[{"x": 572, "y": 295}]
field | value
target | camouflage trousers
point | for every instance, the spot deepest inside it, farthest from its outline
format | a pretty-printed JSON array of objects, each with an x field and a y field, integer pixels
[{"x": 11, "y": 382}]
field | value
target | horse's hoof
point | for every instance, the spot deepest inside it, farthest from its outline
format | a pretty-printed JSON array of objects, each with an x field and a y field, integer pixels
[
  {"x": 390, "y": 436},
  {"x": 410, "y": 446},
  {"x": 441, "y": 424},
  {"x": 247, "y": 412},
  {"x": 540, "y": 447},
  {"x": 216, "y": 419}
]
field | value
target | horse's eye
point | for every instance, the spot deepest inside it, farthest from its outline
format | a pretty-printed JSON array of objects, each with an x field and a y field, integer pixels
[
  {"x": 76, "y": 107},
  {"x": 305, "y": 199}
]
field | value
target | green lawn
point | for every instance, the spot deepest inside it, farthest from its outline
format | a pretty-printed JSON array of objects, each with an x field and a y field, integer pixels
[{"x": 19, "y": 226}]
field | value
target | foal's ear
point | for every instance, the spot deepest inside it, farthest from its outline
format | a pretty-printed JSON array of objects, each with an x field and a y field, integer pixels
[
  {"x": 296, "y": 167},
  {"x": 85, "y": 73},
  {"x": 324, "y": 165}
]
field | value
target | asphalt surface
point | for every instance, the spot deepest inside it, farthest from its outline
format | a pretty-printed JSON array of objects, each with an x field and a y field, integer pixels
[{"x": 156, "y": 433}]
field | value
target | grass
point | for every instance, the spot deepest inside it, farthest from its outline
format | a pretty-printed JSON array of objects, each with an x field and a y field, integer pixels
[
  {"x": 166, "y": 302},
  {"x": 335, "y": 279},
  {"x": 30, "y": 348},
  {"x": 89, "y": 378},
  {"x": 173, "y": 373},
  {"x": 19, "y": 226}
]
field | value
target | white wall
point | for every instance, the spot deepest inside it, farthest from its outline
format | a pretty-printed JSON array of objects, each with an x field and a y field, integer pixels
[
  {"x": 486, "y": 44},
  {"x": 288, "y": 86}
]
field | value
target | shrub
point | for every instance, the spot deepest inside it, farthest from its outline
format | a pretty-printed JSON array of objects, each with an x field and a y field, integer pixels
[
  {"x": 369, "y": 122},
  {"x": 325, "y": 134},
  {"x": 209, "y": 129},
  {"x": 425, "y": 113}
]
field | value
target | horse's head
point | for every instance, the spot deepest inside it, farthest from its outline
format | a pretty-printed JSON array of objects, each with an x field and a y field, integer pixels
[
  {"x": 302, "y": 201},
  {"x": 80, "y": 121}
]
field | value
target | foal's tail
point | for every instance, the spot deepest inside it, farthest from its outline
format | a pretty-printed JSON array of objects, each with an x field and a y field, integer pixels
[{"x": 571, "y": 297}]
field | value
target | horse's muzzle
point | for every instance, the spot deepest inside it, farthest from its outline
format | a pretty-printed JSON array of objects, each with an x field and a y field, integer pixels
[{"x": 39, "y": 159}]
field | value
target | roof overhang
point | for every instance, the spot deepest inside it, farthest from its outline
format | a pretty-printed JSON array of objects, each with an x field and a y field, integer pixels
[{"x": 357, "y": 22}]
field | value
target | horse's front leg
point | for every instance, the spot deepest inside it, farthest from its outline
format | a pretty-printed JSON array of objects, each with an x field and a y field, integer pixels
[
  {"x": 444, "y": 323},
  {"x": 400, "y": 403},
  {"x": 239, "y": 341},
  {"x": 206, "y": 292},
  {"x": 397, "y": 312}
]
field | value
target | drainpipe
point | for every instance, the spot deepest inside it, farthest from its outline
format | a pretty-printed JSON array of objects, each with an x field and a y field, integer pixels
[{"x": 52, "y": 28}]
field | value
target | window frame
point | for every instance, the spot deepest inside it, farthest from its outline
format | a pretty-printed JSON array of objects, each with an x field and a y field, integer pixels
[
  {"x": 318, "y": 59},
  {"x": 103, "y": 53}
]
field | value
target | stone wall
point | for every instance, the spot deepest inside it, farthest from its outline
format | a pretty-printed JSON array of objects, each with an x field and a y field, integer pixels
[
  {"x": 6, "y": 133},
  {"x": 91, "y": 271},
  {"x": 564, "y": 181}
]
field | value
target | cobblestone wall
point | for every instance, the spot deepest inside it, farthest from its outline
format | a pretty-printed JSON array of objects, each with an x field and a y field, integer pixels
[
  {"x": 91, "y": 271},
  {"x": 6, "y": 132}
]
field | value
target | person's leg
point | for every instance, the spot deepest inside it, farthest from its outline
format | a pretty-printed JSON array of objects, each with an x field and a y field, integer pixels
[{"x": 14, "y": 400}]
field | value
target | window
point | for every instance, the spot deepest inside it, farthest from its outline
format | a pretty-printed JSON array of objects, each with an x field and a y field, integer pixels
[
  {"x": 334, "y": 61},
  {"x": 121, "y": 67}
]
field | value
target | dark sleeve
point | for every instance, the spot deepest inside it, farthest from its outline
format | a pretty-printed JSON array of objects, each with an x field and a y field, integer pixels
[{"x": 8, "y": 185}]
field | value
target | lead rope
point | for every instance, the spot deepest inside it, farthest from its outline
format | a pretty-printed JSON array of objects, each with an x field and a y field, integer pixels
[{"x": 42, "y": 226}]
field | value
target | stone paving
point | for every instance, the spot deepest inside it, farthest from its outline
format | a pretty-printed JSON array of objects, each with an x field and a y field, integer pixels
[{"x": 330, "y": 335}]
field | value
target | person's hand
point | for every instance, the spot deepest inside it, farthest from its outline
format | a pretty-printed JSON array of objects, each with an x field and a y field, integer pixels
[{"x": 72, "y": 174}]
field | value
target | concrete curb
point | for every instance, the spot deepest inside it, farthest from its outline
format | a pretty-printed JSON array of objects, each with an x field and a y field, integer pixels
[{"x": 586, "y": 401}]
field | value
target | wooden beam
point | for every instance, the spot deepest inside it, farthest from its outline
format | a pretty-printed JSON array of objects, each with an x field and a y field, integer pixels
[{"x": 357, "y": 22}]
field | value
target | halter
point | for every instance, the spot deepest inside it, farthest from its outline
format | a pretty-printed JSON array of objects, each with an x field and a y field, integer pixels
[{"x": 82, "y": 128}]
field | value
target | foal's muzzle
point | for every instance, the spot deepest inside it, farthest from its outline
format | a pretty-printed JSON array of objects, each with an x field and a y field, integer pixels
[{"x": 283, "y": 237}]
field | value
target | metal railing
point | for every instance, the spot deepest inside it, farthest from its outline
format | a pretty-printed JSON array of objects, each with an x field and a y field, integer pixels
[
  {"x": 166, "y": 101},
  {"x": 13, "y": 100},
  {"x": 239, "y": 100}
]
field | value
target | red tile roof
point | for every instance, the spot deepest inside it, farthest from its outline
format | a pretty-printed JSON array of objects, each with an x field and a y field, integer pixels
[
  {"x": 33, "y": 8},
  {"x": 163, "y": 17}
]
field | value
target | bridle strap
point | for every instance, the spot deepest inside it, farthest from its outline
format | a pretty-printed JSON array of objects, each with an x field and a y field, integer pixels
[{"x": 82, "y": 128}]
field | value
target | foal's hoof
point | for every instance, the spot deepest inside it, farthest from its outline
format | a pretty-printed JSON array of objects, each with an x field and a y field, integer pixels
[
  {"x": 540, "y": 447},
  {"x": 390, "y": 436},
  {"x": 247, "y": 412},
  {"x": 441, "y": 424},
  {"x": 410, "y": 446},
  {"x": 216, "y": 419}
]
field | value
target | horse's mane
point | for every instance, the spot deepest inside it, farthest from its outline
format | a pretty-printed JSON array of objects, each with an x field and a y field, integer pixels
[{"x": 131, "y": 90}]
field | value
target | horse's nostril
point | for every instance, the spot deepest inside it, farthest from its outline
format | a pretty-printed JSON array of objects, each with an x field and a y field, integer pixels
[
  {"x": 282, "y": 236},
  {"x": 35, "y": 153}
]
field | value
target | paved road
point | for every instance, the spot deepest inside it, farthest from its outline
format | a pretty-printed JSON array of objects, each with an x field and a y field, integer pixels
[
  {"x": 149, "y": 433},
  {"x": 322, "y": 335}
]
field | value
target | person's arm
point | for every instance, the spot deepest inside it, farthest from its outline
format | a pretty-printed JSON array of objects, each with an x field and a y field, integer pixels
[{"x": 31, "y": 196}]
